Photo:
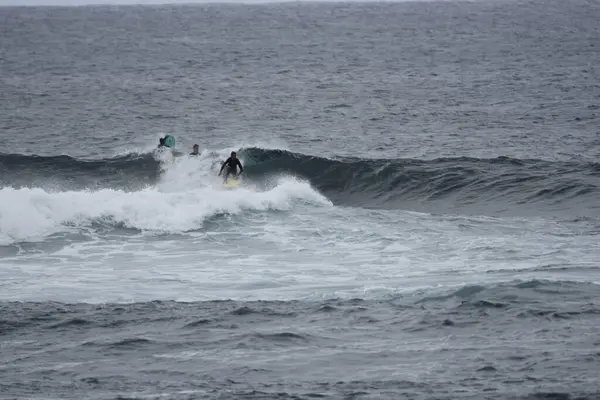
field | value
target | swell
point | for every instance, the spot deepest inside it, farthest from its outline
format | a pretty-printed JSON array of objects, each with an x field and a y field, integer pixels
[
  {"x": 462, "y": 182},
  {"x": 517, "y": 299},
  {"x": 506, "y": 332}
]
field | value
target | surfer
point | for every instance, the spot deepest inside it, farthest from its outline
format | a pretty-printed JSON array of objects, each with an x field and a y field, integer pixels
[
  {"x": 196, "y": 151},
  {"x": 232, "y": 163},
  {"x": 167, "y": 141}
]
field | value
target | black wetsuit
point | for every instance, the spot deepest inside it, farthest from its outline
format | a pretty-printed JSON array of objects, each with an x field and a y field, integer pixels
[{"x": 232, "y": 165}]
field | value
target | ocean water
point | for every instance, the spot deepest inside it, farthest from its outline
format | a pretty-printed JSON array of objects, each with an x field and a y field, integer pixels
[{"x": 418, "y": 216}]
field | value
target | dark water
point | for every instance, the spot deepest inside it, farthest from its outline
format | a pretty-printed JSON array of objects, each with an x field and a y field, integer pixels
[
  {"x": 421, "y": 79},
  {"x": 533, "y": 339},
  {"x": 470, "y": 113}
]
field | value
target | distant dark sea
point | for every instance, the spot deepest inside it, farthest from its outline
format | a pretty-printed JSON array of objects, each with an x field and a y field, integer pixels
[{"x": 418, "y": 218}]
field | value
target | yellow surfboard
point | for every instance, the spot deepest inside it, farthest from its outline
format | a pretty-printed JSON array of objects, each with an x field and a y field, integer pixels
[{"x": 231, "y": 183}]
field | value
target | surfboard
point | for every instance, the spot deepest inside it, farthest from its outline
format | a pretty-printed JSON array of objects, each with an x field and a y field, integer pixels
[
  {"x": 170, "y": 141},
  {"x": 231, "y": 183}
]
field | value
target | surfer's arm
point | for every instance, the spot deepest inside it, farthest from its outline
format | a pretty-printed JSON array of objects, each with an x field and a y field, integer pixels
[
  {"x": 240, "y": 164},
  {"x": 223, "y": 166}
]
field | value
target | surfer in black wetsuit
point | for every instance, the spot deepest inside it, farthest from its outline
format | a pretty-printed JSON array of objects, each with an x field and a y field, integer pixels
[
  {"x": 196, "y": 151},
  {"x": 161, "y": 142},
  {"x": 232, "y": 163}
]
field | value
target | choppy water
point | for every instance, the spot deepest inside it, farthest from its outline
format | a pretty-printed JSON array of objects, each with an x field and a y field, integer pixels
[{"x": 418, "y": 216}]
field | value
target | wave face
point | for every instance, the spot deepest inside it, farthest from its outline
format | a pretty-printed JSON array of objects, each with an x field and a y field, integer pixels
[
  {"x": 472, "y": 185},
  {"x": 466, "y": 184}
]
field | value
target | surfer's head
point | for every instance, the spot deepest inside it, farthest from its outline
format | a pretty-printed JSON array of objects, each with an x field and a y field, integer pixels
[
  {"x": 233, "y": 155},
  {"x": 196, "y": 148}
]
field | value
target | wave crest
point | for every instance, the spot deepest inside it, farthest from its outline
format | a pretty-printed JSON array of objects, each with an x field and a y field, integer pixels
[
  {"x": 152, "y": 192},
  {"x": 183, "y": 195}
]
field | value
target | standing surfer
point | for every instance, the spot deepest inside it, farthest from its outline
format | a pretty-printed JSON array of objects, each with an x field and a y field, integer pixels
[{"x": 232, "y": 163}]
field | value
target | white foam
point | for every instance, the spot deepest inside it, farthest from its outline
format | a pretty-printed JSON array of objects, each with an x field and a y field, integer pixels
[
  {"x": 187, "y": 194},
  {"x": 310, "y": 253}
]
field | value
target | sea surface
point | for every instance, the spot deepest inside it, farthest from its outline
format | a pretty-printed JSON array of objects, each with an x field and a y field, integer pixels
[{"x": 419, "y": 213}]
